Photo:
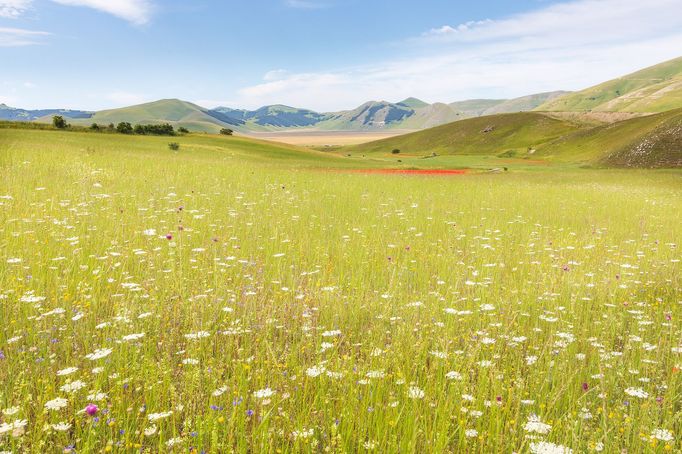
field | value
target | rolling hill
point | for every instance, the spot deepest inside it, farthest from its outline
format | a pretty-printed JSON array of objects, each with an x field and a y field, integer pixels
[
  {"x": 173, "y": 111},
  {"x": 497, "y": 134},
  {"x": 653, "y": 141},
  {"x": 654, "y": 89}
]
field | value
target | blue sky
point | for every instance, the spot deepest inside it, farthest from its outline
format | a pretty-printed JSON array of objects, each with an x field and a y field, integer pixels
[{"x": 320, "y": 54}]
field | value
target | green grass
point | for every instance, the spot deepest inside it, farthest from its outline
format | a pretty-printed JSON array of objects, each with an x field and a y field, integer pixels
[
  {"x": 510, "y": 132},
  {"x": 653, "y": 141},
  {"x": 173, "y": 111},
  {"x": 629, "y": 143},
  {"x": 642, "y": 91},
  {"x": 385, "y": 313}
]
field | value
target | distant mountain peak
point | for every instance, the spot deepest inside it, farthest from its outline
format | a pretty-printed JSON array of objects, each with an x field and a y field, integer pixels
[{"x": 413, "y": 103}]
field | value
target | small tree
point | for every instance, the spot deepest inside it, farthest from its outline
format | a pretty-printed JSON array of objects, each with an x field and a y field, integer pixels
[
  {"x": 226, "y": 132},
  {"x": 139, "y": 129},
  {"x": 183, "y": 130},
  {"x": 95, "y": 127},
  {"x": 59, "y": 122},
  {"x": 395, "y": 151},
  {"x": 124, "y": 128},
  {"x": 174, "y": 146}
]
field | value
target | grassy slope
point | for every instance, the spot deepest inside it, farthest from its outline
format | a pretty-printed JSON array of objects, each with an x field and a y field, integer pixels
[
  {"x": 173, "y": 111},
  {"x": 511, "y": 132},
  {"x": 651, "y": 141},
  {"x": 211, "y": 149},
  {"x": 641, "y": 91}
]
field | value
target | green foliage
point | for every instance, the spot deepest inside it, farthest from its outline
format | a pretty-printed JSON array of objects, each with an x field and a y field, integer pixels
[
  {"x": 164, "y": 129},
  {"x": 124, "y": 128},
  {"x": 183, "y": 130},
  {"x": 174, "y": 146},
  {"x": 395, "y": 151},
  {"x": 59, "y": 122},
  {"x": 226, "y": 132},
  {"x": 95, "y": 127}
]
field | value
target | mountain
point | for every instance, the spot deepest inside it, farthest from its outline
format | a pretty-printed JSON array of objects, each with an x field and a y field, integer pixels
[
  {"x": 370, "y": 115},
  {"x": 173, "y": 111},
  {"x": 13, "y": 114},
  {"x": 413, "y": 103},
  {"x": 277, "y": 116},
  {"x": 524, "y": 103},
  {"x": 654, "y": 89},
  {"x": 652, "y": 141},
  {"x": 475, "y": 107}
]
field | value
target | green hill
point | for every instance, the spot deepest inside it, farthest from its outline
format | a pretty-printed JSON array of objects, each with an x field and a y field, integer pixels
[
  {"x": 173, "y": 111},
  {"x": 654, "y": 89},
  {"x": 497, "y": 134},
  {"x": 652, "y": 141}
]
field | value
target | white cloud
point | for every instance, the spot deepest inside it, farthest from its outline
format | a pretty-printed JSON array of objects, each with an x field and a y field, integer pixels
[
  {"x": 15, "y": 37},
  {"x": 569, "y": 45},
  {"x": 135, "y": 11},
  {"x": 14, "y": 8}
]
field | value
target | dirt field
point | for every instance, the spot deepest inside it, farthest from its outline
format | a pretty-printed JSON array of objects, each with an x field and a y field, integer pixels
[{"x": 323, "y": 138}]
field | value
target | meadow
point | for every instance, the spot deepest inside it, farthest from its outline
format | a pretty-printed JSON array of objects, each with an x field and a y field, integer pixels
[{"x": 239, "y": 296}]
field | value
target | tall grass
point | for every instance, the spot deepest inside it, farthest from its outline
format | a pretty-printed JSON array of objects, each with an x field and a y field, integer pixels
[{"x": 210, "y": 301}]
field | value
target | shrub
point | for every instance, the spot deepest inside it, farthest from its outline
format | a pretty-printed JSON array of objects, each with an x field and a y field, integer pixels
[
  {"x": 183, "y": 130},
  {"x": 226, "y": 132},
  {"x": 174, "y": 146},
  {"x": 95, "y": 127},
  {"x": 59, "y": 122},
  {"x": 395, "y": 151},
  {"x": 124, "y": 128}
]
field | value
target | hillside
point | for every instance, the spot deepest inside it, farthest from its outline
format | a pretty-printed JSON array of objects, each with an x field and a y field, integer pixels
[
  {"x": 513, "y": 134},
  {"x": 650, "y": 141},
  {"x": 654, "y": 89},
  {"x": 8, "y": 113},
  {"x": 277, "y": 116},
  {"x": 173, "y": 111},
  {"x": 524, "y": 103}
]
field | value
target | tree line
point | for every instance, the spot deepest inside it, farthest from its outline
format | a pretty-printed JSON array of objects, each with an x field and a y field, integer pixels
[{"x": 124, "y": 127}]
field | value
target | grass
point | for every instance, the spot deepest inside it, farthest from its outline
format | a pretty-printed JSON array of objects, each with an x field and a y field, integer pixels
[
  {"x": 537, "y": 139},
  {"x": 517, "y": 133},
  {"x": 173, "y": 111},
  {"x": 642, "y": 91},
  {"x": 233, "y": 296}
]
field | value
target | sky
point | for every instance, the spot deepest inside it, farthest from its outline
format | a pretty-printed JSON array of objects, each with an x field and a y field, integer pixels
[{"x": 325, "y": 55}]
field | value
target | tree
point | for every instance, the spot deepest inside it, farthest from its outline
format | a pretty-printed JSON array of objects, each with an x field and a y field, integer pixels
[
  {"x": 395, "y": 151},
  {"x": 124, "y": 128},
  {"x": 183, "y": 130},
  {"x": 95, "y": 127},
  {"x": 139, "y": 129},
  {"x": 59, "y": 122},
  {"x": 226, "y": 132}
]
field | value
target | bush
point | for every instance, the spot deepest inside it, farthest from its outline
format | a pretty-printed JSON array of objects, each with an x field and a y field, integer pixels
[
  {"x": 395, "y": 151},
  {"x": 95, "y": 127},
  {"x": 174, "y": 146},
  {"x": 226, "y": 132},
  {"x": 59, "y": 122},
  {"x": 124, "y": 128},
  {"x": 183, "y": 130}
]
